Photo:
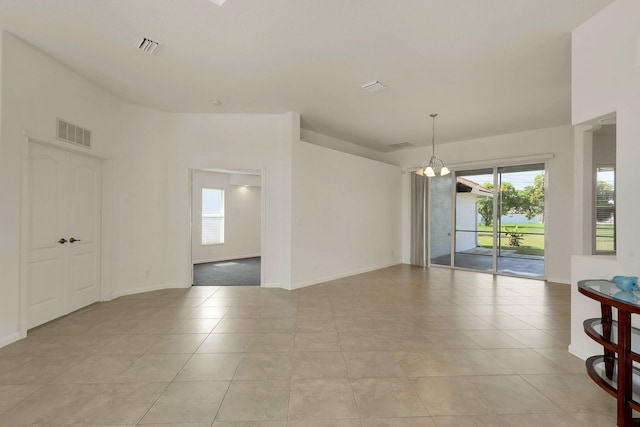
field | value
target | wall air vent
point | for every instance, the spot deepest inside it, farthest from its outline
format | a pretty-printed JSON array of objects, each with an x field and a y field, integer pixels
[
  {"x": 149, "y": 46},
  {"x": 402, "y": 145},
  {"x": 71, "y": 133}
]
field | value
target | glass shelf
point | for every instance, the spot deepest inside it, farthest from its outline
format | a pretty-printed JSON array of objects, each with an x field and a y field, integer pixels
[
  {"x": 597, "y": 370},
  {"x": 595, "y": 329}
]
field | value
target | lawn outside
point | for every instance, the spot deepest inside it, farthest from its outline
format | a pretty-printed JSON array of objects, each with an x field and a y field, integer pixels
[{"x": 532, "y": 242}]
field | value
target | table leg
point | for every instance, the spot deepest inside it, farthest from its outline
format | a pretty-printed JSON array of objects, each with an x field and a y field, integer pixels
[{"x": 624, "y": 369}]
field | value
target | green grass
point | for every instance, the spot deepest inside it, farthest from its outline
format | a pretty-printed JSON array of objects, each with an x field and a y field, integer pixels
[{"x": 531, "y": 244}]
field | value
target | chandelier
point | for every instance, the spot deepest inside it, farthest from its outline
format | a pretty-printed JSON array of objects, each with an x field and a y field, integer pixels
[{"x": 429, "y": 167}]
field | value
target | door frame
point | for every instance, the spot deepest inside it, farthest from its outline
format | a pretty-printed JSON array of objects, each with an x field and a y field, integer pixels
[
  {"x": 263, "y": 223},
  {"x": 25, "y": 231}
]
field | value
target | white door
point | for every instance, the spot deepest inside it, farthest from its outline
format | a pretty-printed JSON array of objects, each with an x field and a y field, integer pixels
[{"x": 63, "y": 272}]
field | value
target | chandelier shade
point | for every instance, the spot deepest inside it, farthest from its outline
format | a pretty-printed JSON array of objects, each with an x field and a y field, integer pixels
[{"x": 429, "y": 167}]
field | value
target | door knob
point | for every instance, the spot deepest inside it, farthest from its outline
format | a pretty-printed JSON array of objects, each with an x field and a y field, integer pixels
[
  {"x": 62, "y": 241},
  {"x": 73, "y": 239}
]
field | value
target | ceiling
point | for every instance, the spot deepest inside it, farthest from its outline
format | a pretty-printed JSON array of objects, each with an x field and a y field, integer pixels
[{"x": 488, "y": 67}]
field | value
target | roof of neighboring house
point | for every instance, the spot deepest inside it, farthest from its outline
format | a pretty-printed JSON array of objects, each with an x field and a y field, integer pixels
[{"x": 465, "y": 185}]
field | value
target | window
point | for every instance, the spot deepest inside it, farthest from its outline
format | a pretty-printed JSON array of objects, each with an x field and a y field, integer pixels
[
  {"x": 605, "y": 210},
  {"x": 212, "y": 216}
]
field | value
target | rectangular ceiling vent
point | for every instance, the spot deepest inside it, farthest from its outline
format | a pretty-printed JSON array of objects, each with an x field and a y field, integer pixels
[
  {"x": 148, "y": 46},
  {"x": 72, "y": 133},
  {"x": 402, "y": 145}
]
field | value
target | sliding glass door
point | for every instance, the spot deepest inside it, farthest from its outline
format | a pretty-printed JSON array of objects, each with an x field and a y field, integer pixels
[
  {"x": 498, "y": 222},
  {"x": 474, "y": 248},
  {"x": 521, "y": 220}
]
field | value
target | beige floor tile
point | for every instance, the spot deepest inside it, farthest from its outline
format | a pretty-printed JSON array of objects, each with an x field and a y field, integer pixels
[
  {"x": 506, "y": 322},
  {"x": 209, "y": 312},
  {"x": 271, "y": 342},
  {"x": 10, "y": 395},
  {"x": 494, "y": 339},
  {"x": 187, "y": 402},
  {"x": 129, "y": 344},
  {"x": 387, "y": 397},
  {"x": 234, "y": 326},
  {"x": 373, "y": 364},
  {"x": 563, "y": 358},
  {"x": 463, "y": 362},
  {"x": 321, "y": 399},
  {"x": 596, "y": 419},
  {"x": 526, "y": 361},
  {"x": 535, "y": 338},
  {"x": 255, "y": 401},
  {"x": 263, "y": 366},
  {"x": 344, "y": 422},
  {"x": 101, "y": 368},
  {"x": 51, "y": 405},
  {"x": 178, "y": 343},
  {"x": 318, "y": 364},
  {"x": 225, "y": 343},
  {"x": 418, "y": 332},
  {"x": 451, "y": 396},
  {"x": 573, "y": 392},
  {"x": 471, "y": 421},
  {"x": 398, "y": 422},
  {"x": 120, "y": 404},
  {"x": 250, "y": 424},
  {"x": 449, "y": 340},
  {"x": 39, "y": 370},
  {"x": 153, "y": 367},
  {"x": 364, "y": 341},
  {"x": 546, "y": 420},
  {"x": 209, "y": 367},
  {"x": 510, "y": 394},
  {"x": 318, "y": 341}
]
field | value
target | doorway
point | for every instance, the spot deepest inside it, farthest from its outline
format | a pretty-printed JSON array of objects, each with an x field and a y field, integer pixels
[
  {"x": 226, "y": 227},
  {"x": 497, "y": 218},
  {"x": 62, "y": 259}
]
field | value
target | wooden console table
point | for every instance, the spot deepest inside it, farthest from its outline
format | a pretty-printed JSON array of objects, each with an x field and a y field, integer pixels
[{"x": 614, "y": 371}]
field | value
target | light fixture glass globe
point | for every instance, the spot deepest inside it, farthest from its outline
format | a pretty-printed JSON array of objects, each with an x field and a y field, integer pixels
[
  {"x": 429, "y": 172},
  {"x": 444, "y": 171},
  {"x": 420, "y": 172}
]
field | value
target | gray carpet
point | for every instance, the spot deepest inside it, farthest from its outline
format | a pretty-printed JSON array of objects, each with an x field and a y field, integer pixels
[{"x": 235, "y": 272}]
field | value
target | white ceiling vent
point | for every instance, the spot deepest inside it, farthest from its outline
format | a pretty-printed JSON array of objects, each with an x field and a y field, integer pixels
[
  {"x": 71, "y": 133},
  {"x": 148, "y": 46},
  {"x": 402, "y": 145}
]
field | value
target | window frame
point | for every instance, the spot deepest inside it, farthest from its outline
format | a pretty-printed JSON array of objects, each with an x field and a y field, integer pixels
[{"x": 594, "y": 228}]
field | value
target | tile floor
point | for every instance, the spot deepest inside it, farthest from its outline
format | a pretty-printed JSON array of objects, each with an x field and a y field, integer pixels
[{"x": 401, "y": 346}]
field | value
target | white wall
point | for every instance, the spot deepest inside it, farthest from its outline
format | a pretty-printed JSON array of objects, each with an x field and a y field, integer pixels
[
  {"x": 606, "y": 79},
  {"x": 146, "y": 242},
  {"x": 35, "y": 90},
  {"x": 487, "y": 151},
  {"x": 346, "y": 214},
  {"x": 233, "y": 142},
  {"x": 242, "y": 210}
]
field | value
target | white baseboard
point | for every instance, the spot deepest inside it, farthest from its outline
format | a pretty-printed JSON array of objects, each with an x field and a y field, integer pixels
[
  {"x": 10, "y": 339},
  {"x": 584, "y": 355},
  {"x": 341, "y": 276},
  {"x": 563, "y": 281},
  {"x": 226, "y": 258},
  {"x": 147, "y": 289}
]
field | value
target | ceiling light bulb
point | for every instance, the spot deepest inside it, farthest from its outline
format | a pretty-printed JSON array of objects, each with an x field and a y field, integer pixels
[
  {"x": 429, "y": 172},
  {"x": 444, "y": 171},
  {"x": 420, "y": 172}
]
